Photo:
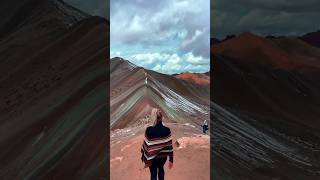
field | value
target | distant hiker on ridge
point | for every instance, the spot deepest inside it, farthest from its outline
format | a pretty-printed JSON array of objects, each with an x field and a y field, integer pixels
[
  {"x": 157, "y": 146},
  {"x": 205, "y": 126}
]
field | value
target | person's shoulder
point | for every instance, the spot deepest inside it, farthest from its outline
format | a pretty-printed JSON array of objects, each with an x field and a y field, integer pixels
[
  {"x": 167, "y": 129},
  {"x": 149, "y": 129}
]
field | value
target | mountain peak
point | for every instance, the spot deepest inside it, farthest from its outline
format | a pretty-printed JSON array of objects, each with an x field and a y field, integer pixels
[
  {"x": 71, "y": 14},
  {"x": 44, "y": 13},
  {"x": 255, "y": 49}
]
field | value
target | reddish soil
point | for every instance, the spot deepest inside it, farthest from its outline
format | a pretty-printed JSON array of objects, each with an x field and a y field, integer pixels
[
  {"x": 252, "y": 48},
  {"x": 200, "y": 79},
  {"x": 191, "y": 154}
]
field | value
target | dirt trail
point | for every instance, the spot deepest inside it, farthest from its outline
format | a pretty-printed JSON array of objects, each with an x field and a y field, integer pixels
[{"x": 191, "y": 154}]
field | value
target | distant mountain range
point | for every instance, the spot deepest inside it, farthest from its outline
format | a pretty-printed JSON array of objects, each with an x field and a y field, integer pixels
[
  {"x": 312, "y": 38},
  {"x": 52, "y": 87},
  {"x": 282, "y": 53}
]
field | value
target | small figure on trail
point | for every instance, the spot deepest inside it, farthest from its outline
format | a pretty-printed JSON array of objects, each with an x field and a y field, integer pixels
[
  {"x": 157, "y": 146},
  {"x": 146, "y": 80},
  {"x": 205, "y": 126}
]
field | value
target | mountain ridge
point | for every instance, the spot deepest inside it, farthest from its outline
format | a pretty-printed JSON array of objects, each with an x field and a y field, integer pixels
[
  {"x": 53, "y": 78},
  {"x": 265, "y": 108},
  {"x": 149, "y": 87},
  {"x": 252, "y": 48}
]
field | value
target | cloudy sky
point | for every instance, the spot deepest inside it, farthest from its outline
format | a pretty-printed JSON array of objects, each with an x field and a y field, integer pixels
[
  {"x": 264, "y": 17},
  {"x": 168, "y": 36}
]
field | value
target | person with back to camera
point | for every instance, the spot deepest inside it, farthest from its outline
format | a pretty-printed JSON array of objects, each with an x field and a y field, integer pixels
[
  {"x": 205, "y": 127},
  {"x": 157, "y": 146}
]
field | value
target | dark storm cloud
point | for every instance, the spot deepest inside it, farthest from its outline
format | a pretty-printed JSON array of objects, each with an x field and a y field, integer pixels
[
  {"x": 264, "y": 17},
  {"x": 92, "y": 7}
]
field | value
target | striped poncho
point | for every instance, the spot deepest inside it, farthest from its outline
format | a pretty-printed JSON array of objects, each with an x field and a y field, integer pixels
[{"x": 157, "y": 144}]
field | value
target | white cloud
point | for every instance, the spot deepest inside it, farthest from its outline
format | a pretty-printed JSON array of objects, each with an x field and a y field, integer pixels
[
  {"x": 165, "y": 36},
  {"x": 115, "y": 54},
  {"x": 157, "y": 68},
  {"x": 171, "y": 63},
  {"x": 187, "y": 42},
  {"x": 147, "y": 59},
  {"x": 195, "y": 60},
  {"x": 151, "y": 22}
]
